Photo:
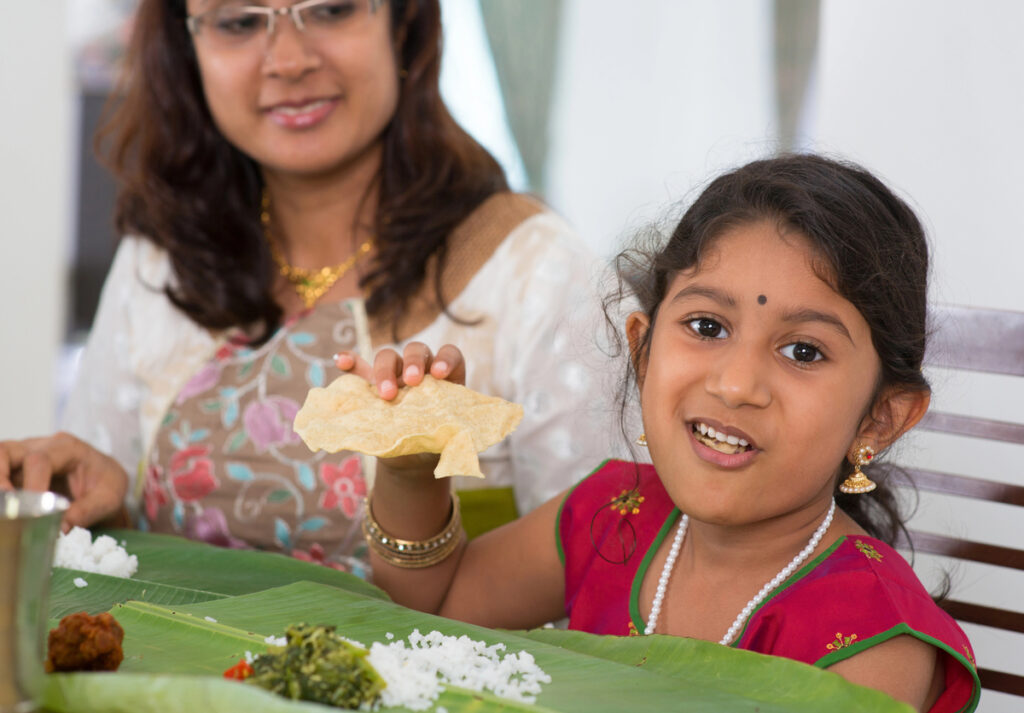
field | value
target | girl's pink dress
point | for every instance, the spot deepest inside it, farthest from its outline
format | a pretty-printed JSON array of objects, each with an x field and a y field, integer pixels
[{"x": 855, "y": 595}]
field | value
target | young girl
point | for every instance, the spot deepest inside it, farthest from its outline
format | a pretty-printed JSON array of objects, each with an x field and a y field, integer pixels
[{"x": 779, "y": 349}]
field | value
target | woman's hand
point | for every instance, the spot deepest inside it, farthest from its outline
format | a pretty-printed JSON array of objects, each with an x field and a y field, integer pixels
[
  {"x": 95, "y": 482},
  {"x": 389, "y": 372}
]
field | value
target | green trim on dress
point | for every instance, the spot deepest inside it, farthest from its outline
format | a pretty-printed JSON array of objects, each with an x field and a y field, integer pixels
[
  {"x": 793, "y": 579},
  {"x": 899, "y": 630},
  {"x": 638, "y": 578},
  {"x": 558, "y": 517}
]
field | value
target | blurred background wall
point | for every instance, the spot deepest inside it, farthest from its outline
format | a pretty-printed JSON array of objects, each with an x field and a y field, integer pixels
[
  {"x": 37, "y": 163},
  {"x": 612, "y": 112},
  {"x": 627, "y": 110}
]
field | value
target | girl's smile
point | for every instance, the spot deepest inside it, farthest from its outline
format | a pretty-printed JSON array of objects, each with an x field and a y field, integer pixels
[{"x": 725, "y": 447}]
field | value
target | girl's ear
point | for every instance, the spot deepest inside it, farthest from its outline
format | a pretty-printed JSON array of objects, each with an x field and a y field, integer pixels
[
  {"x": 895, "y": 412},
  {"x": 637, "y": 325}
]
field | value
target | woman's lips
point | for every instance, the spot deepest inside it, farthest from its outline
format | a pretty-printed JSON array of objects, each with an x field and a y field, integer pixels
[{"x": 301, "y": 115}]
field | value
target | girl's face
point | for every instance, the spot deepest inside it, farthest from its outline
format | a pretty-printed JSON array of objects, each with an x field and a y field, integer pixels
[
  {"x": 303, "y": 103},
  {"x": 754, "y": 345}
]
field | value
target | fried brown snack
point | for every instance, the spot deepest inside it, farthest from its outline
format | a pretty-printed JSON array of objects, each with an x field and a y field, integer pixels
[{"x": 82, "y": 642}]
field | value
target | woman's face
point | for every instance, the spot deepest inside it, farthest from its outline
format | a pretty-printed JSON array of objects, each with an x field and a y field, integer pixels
[
  {"x": 305, "y": 103},
  {"x": 754, "y": 345}
]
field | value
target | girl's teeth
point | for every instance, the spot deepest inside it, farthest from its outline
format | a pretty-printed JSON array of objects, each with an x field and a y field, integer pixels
[{"x": 713, "y": 438}]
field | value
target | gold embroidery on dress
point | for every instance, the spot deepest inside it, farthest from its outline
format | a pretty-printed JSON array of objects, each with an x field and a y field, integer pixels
[
  {"x": 841, "y": 642},
  {"x": 970, "y": 656},
  {"x": 633, "y": 630},
  {"x": 628, "y": 501},
  {"x": 868, "y": 551}
]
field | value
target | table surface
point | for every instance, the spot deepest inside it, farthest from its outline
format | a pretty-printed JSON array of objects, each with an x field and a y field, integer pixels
[{"x": 192, "y": 610}]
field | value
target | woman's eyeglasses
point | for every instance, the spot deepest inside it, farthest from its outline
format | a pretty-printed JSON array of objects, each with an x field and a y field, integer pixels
[{"x": 233, "y": 25}]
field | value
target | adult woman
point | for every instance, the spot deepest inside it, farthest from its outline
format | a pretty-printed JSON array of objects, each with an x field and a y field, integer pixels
[{"x": 256, "y": 145}]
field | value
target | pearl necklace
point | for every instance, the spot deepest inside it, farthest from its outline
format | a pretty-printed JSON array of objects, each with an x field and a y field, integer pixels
[{"x": 673, "y": 553}]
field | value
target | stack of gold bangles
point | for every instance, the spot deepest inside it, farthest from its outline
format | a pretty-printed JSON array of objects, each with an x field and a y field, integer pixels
[{"x": 413, "y": 554}]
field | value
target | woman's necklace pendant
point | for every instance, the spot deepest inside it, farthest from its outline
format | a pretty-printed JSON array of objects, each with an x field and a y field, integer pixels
[{"x": 312, "y": 286}]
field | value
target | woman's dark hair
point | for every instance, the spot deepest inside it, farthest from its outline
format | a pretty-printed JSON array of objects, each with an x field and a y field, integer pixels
[
  {"x": 187, "y": 189},
  {"x": 871, "y": 248}
]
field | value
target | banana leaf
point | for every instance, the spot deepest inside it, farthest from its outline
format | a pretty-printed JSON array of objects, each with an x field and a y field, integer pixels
[
  {"x": 101, "y": 591},
  {"x": 214, "y": 605}
]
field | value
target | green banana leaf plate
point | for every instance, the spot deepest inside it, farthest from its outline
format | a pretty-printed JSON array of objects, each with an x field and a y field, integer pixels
[{"x": 193, "y": 610}]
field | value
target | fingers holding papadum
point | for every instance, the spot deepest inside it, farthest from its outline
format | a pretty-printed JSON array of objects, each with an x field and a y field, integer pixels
[
  {"x": 391, "y": 370},
  {"x": 447, "y": 364},
  {"x": 354, "y": 364}
]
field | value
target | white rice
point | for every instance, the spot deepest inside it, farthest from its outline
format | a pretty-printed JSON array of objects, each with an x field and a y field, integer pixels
[
  {"x": 76, "y": 550},
  {"x": 415, "y": 673},
  {"x": 79, "y": 582},
  {"x": 210, "y": 619},
  {"x": 276, "y": 641}
]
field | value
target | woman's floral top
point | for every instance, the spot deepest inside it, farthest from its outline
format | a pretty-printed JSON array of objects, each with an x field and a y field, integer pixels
[
  {"x": 524, "y": 306},
  {"x": 226, "y": 466}
]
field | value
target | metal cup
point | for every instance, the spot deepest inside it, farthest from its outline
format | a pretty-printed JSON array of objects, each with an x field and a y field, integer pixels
[{"x": 29, "y": 523}]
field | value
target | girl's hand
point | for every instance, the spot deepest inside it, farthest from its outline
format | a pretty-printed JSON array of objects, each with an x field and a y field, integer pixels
[
  {"x": 390, "y": 371},
  {"x": 95, "y": 482}
]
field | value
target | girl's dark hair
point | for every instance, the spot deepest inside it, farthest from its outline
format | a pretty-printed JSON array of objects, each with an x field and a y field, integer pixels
[
  {"x": 874, "y": 254},
  {"x": 187, "y": 189}
]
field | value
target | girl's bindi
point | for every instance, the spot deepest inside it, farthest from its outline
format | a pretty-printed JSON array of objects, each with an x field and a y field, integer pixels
[{"x": 761, "y": 299}]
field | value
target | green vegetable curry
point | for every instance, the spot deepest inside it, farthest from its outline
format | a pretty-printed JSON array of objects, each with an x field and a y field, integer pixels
[{"x": 318, "y": 665}]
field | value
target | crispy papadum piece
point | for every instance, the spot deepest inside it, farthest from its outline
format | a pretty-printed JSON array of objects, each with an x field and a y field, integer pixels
[{"x": 434, "y": 417}]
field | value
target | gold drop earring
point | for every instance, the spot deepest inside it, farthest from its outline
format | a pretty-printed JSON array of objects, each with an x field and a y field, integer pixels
[
  {"x": 641, "y": 440},
  {"x": 857, "y": 482}
]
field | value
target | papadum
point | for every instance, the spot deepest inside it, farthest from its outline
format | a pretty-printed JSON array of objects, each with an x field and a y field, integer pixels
[{"x": 434, "y": 417}]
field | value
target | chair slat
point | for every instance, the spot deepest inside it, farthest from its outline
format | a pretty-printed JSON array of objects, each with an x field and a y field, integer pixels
[
  {"x": 977, "y": 339},
  {"x": 1001, "y": 681},
  {"x": 966, "y": 550},
  {"x": 990, "y": 341},
  {"x": 991, "y": 430},
  {"x": 986, "y": 616},
  {"x": 990, "y": 490}
]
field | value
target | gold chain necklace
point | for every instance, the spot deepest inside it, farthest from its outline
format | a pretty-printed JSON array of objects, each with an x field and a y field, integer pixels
[{"x": 310, "y": 284}]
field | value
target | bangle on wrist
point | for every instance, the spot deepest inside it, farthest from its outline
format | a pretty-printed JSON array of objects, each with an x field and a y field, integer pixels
[{"x": 413, "y": 554}]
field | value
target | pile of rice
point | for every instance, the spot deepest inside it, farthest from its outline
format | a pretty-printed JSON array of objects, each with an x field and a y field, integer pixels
[
  {"x": 416, "y": 673},
  {"x": 76, "y": 550}
]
